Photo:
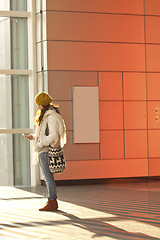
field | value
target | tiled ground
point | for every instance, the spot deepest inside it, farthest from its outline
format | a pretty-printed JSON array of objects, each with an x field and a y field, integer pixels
[{"x": 100, "y": 212}]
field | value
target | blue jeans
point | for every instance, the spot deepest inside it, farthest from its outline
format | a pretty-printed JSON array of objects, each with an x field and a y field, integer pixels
[{"x": 48, "y": 176}]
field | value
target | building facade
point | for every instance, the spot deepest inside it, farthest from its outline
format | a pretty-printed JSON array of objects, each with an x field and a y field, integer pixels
[{"x": 100, "y": 62}]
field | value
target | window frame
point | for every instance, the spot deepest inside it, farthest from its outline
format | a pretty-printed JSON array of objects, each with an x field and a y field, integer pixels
[{"x": 30, "y": 14}]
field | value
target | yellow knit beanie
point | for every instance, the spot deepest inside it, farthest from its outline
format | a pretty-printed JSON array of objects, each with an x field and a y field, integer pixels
[{"x": 43, "y": 98}]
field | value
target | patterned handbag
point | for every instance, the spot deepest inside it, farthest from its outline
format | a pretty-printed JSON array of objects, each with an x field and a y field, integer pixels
[{"x": 56, "y": 160}]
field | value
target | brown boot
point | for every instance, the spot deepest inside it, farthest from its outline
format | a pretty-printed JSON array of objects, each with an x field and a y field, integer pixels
[{"x": 51, "y": 205}]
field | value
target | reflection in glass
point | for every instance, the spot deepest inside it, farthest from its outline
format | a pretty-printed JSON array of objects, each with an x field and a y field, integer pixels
[
  {"x": 14, "y": 96},
  {"x": 14, "y": 161},
  {"x": 5, "y": 62},
  {"x": 15, "y": 5},
  {"x": 5, "y": 100},
  {"x": 18, "y": 5},
  {"x": 20, "y": 119},
  {"x": 13, "y": 43},
  {"x": 21, "y": 163},
  {"x": 19, "y": 59},
  {"x": 14, "y": 113},
  {"x": 6, "y": 160},
  {"x": 20, "y": 102}
]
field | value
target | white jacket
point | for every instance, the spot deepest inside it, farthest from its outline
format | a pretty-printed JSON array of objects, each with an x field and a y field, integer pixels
[{"x": 56, "y": 127}]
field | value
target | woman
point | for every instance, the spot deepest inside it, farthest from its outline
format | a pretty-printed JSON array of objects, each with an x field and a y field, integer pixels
[{"x": 50, "y": 130}]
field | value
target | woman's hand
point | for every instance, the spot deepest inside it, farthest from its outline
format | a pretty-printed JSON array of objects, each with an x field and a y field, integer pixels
[{"x": 29, "y": 137}]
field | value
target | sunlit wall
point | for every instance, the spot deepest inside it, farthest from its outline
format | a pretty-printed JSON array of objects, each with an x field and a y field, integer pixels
[{"x": 114, "y": 45}]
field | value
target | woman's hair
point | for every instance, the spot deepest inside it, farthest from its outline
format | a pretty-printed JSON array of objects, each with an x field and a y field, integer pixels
[{"x": 40, "y": 113}]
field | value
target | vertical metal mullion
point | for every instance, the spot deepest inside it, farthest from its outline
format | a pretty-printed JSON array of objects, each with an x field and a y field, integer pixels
[
  {"x": 12, "y": 163},
  {"x": 33, "y": 85},
  {"x": 42, "y": 57}
]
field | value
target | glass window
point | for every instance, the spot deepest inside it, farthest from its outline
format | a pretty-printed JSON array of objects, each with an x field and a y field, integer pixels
[
  {"x": 14, "y": 94},
  {"x": 5, "y": 98},
  {"x": 15, "y": 160},
  {"x": 6, "y": 160},
  {"x": 20, "y": 102},
  {"x": 14, "y": 5},
  {"x": 5, "y": 61},
  {"x": 18, "y": 5},
  {"x": 19, "y": 59},
  {"x": 21, "y": 160},
  {"x": 14, "y": 113},
  {"x": 13, "y": 43}
]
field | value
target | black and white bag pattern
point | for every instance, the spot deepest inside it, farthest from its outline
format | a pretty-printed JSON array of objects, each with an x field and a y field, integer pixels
[{"x": 56, "y": 160}]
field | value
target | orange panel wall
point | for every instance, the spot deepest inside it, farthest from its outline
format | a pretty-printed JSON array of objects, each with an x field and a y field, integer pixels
[
  {"x": 82, "y": 26},
  {"x": 102, "y": 6},
  {"x": 114, "y": 45},
  {"x": 95, "y": 56}
]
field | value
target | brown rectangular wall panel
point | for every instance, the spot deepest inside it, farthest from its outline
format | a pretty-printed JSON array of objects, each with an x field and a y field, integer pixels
[
  {"x": 110, "y": 111},
  {"x": 112, "y": 144},
  {"x": 134, "y": 86},
  {"x": 154, "y": 140},
  {"x": 136, "y": 144},
  {"x": 95, "y": 56},
  {"x": 152, "y": 7},
  {"x": 153, "y": 57},
  {"x": 60, "y": 82},
  {"x": 83, "y": 151},
  {"x": 154, "y": 115},
  {"x": 65, "y": 108},
  {"x": 110, "y": 6},
  {"x": 95, "y": 27},
  {"x": 153, "y": 83},
  {"x": 104, "y": 169},
  {"x": 154, "y": 167},
  {"x": 110, "y": 86},
  {"x": 152, "y": 25},
  {"x": 135, "y": 115}
]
